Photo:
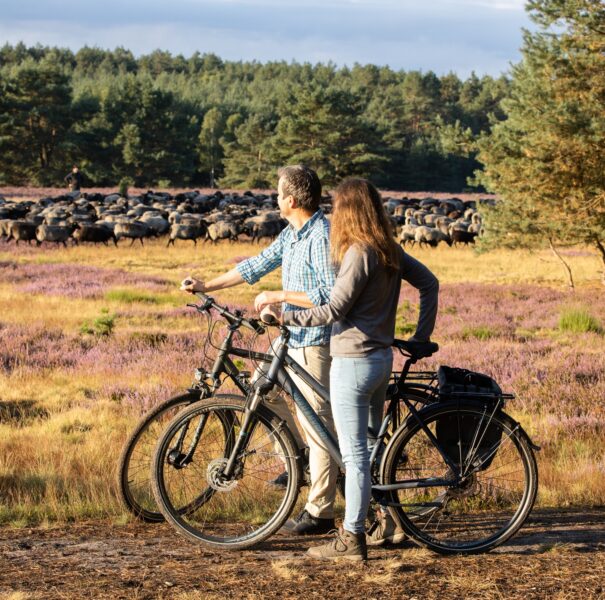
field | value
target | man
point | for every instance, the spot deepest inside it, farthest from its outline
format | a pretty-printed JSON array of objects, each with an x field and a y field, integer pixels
[
  {"x": 302, "y": 250},
  {"x": 74, "y": 179}
]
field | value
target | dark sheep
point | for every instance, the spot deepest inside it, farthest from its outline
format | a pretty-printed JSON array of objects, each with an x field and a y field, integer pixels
[
  {"x": 93, "y": 233},
  {"x": 463, "y": 237},
  {"x": 23, "y": 231}
]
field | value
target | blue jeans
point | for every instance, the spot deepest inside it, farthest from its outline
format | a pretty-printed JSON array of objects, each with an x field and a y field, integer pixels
[{"x": 357, "y": 393}]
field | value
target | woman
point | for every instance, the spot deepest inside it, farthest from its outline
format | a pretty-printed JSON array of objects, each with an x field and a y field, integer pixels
[{"x": 362, "y": 310}]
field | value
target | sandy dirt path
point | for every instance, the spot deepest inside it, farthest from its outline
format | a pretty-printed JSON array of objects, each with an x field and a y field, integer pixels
[{"x": 558, "y": 555}]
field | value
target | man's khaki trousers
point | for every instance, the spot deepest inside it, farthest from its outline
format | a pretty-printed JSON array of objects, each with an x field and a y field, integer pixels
[{"x": 324, "y": 471}]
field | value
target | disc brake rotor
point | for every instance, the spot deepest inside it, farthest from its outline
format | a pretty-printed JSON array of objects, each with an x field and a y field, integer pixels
[{"x": 216, "y": 479}]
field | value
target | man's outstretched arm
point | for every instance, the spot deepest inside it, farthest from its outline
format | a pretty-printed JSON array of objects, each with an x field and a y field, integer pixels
[{"x": 226, "y": 280}]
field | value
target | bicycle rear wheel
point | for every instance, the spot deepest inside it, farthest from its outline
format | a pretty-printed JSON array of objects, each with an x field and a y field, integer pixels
[
  {"x": 488, "y": 504},
  {"x": 134, "y": 470},
  {"x": 225, "y": 512},
  {"x": 134, "y": 480}
]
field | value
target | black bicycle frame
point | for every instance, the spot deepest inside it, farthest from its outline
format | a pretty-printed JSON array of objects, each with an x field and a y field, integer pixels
[{"x": 277, "y": 373}]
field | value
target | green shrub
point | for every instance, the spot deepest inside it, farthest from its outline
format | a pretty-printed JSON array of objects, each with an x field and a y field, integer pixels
[
  {"x": 123, "y": 186},
  {"x": 131, "y": 296},
  {"x": 481, "y": 332},
  {"x": 578, "y": 320},
  {"x": 403, "y": 328},
  {"x": 101, "y": 326}
]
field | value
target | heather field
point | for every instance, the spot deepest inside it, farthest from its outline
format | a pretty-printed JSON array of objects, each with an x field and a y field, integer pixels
[{"x": 90, "y": 337}]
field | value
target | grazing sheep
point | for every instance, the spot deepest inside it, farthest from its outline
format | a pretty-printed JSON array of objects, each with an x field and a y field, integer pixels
[
  {"x": 468, "y": 214},
  {"x": 443, "y": 223},
  {"x": 431, "y": 219},
  {"x": 430, "y": 236},
  {"x": 135, "y": 230},
  {"x": 400, "y": 210},
  {"x": 54, "y": 233},
  {"x": 5, "y": 227},
  {"x": 223, "y": 230},
  {"x": 463, "y": 237},
  {"x": 476, "y": 225},
  {"x": 268, "y": 228},
  {"x": 23, "y": 231},
  {"x": 186, "y": 231},
  {"x": 96, "y": 233},
  {"x": 407, "y": 234},
  {"x": 460, "y": 225},
  {"x": 419, "y": 216},
  {"x": 156, "y": 223}
]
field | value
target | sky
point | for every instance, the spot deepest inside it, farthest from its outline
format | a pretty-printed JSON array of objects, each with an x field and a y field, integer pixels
[{"x": 444, "y": 36}]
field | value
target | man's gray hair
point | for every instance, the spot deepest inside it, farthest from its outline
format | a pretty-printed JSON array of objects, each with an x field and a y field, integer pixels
[{"x": 303, "y": 184}]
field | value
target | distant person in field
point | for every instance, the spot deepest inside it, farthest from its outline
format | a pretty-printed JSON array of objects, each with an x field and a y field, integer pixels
[
  {"x": 303, "y": 250},
  {"x": 74, "y": 179}
]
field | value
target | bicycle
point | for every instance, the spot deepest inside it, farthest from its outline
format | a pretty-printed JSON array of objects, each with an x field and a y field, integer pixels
[
  {"x": 135, "y": 458},
  {"x": 448, "y": 494}
]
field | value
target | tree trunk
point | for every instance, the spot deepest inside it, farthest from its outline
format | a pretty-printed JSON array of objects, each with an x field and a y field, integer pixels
[
  {"x": 570, "y": 282},
  {"x": 601, "y": 249}
]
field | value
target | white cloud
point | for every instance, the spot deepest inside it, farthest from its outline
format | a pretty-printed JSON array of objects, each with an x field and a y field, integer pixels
[{"x": 441, "y": 35}]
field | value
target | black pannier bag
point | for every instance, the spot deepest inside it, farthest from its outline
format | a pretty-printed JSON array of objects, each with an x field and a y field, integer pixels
[{"x": 464, "y": 385}]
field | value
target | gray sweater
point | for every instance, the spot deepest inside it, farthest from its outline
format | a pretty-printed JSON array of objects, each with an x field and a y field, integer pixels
[{"x": 363, "y": 303}]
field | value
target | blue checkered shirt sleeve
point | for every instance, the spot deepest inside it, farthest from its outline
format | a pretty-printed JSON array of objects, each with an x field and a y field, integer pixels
[{"x": 252, "y": 269}]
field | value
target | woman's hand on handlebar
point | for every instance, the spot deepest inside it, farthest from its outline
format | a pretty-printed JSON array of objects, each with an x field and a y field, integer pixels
[
  {"x": 191, "y": 284},
  {"x": 270, "y": 316}
]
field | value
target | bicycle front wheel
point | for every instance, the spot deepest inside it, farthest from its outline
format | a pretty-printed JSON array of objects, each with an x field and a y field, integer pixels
[
  {"x": 208, "y": 507},
  {"x": 477, "y": 511}
]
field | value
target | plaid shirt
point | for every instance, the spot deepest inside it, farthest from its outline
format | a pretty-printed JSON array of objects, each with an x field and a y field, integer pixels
[{"x": 304, "y": 256}]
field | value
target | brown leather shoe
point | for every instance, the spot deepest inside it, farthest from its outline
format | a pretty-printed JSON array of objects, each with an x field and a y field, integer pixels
[
  {"x": 385, "y": 530},
  {"x": 344, "y": 546}
]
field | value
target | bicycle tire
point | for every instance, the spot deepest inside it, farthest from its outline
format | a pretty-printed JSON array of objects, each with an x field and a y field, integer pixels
[
  {"x": 489, "y": 506},
  {"x": 240, "y": 512},
  {"x": 134, "y": 467}
]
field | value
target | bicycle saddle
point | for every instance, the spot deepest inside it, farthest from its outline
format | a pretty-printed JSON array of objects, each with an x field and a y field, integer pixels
[{"x": 417, "y": 350}]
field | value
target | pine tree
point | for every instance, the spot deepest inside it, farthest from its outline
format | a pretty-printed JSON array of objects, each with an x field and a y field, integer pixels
[
  {"x": 36, "y": 115},
  {"x": 546, "y": 160},
  {"x": 326, "y": 130},
  {"x": 248, "y": 159},
  {"x": 157, "y": 142}
]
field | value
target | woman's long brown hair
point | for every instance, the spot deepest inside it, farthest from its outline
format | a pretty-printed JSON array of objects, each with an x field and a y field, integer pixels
[{"x": 359, "y": 218}]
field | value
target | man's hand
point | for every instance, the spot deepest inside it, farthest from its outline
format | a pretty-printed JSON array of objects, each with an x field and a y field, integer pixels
[
  {"x": 192, "y": 285},
  {"x": 267, "y": 298}
]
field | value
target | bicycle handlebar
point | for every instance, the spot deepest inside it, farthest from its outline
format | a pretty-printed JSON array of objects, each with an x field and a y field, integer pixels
[
  {"x": 416, "y": 350},
  {"x": 232, "y": 317}
]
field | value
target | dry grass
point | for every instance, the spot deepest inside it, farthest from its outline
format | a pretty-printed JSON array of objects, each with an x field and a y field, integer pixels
[
  {"x": 385, "y": 572},
  {"x": 483, "y": 585},
  {"x": 453, "y": 265},
  {"x": 288, "y": 570},
  {"x": 58, "y": 455}
]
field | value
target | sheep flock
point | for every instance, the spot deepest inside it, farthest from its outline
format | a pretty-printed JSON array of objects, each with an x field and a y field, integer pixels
[{"x": 99, "y": 218}]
